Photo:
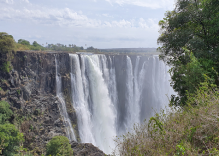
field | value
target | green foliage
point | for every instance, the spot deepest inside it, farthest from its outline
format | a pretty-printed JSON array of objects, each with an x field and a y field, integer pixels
[
  {"x": 24, "y": 42},
  {"x": 59, "y": 146},
  {"x": 7, "y": 43},
  {"x": 20, "y": 47},
  {"x": 7, "y": 67},
  {"x": 61, "y": 47},
  {"x": 10, "y": 139},
  {"x": 187, "y": 77},
  {"x": 5, "y": 112},
  {"x": 180, "y": 150},
  {"x": 36, "y": 46},
  {"x": 19, "y": 92},
  {"x": 194, "y": 25}
]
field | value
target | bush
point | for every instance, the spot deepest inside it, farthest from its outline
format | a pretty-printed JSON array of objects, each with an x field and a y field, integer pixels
[
  {"x": 7, "y": 67},
  {"x": 10, "y": 139},
  {"x": 7, "y": 43},
  {"x": 192, "y": 130},
  {"x": 59, "y": 146},
  {"x": 20, "y": 47},
  {"x": 5, "y": 112}
]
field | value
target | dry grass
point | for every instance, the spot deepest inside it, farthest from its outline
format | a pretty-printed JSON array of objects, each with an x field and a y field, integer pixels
[
  {"x": 192, "y": 130},
  {"x": 20, "y": 47}
]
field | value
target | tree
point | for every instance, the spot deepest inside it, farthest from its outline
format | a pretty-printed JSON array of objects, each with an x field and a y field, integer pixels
[
  {"x": 192, "y": 26},
  {"x": 7, "y": 43},
  {"x": 24, "y": 42},
  {"x": 5, "y": 112},
  {"x": 10, "y": 137},
  {"x": 90, "y": 48},
  {"x": 59, "y": 146},
  {"x": 35, "y": 44},
  {"x": 7, "y": 46}
]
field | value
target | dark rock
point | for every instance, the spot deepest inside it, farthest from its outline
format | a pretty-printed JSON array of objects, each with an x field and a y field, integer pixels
[
  {"x": 85, "y": 149},
  {"x": 30, "y": 88}
]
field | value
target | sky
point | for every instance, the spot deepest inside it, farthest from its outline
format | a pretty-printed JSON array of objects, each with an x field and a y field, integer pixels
[{"x": 97, "y": 23}]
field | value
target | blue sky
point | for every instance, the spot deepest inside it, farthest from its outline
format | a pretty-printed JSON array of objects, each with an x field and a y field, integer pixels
[{"x": 98, "y": 23}]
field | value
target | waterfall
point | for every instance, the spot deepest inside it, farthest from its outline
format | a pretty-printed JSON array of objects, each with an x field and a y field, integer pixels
[
  {"x": 96, "y": 118},
  {"x": 112, "y": 93},
  {"x": 62, "y": 108}
]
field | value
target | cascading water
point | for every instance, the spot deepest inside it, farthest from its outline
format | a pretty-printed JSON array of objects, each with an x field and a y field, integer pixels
[
  {"x": 96, "y": 119},
  {"x": 62, "y": 108},
  {"x": 111, "y": 93}
]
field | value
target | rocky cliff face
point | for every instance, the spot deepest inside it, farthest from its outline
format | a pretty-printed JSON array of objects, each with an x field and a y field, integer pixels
[{"x": 30, "y": 88}]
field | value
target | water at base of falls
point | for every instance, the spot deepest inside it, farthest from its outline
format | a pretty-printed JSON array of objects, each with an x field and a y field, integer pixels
[{"x": 112, "y": 93}]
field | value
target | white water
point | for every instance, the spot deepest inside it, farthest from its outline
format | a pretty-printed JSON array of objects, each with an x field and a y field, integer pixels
[
  {"x": 109, "y": 96},
  {"x": 97, "y": 123},
  {"x": 62, "y": 108}
]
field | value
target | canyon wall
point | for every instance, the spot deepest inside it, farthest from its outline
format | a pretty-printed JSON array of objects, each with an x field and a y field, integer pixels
[{"x": 88, "y": 98}]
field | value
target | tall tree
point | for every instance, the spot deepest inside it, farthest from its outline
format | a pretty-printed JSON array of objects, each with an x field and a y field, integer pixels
[{"x": 192, "y": 25}]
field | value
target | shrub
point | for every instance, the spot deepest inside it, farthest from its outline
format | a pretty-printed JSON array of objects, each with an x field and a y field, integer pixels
[
  {"x": 5, "y": 112},
  {"x": 7, "y": 67},
  {"x": 191, "y": 130},
  {"x": 10, "y": 139},
  {"x": 7, "y": 43},
  {"x": 20, "y": 47},
  {"x": 59, "y": 146}
]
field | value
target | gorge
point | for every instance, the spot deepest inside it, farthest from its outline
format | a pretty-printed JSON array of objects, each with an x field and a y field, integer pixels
[{"x": 99, "y": 96}]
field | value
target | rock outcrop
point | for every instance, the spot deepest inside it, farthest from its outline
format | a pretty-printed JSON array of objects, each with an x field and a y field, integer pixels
[
  {"x": 30, "y": 88},
  {"x": 86, "y": 149}
]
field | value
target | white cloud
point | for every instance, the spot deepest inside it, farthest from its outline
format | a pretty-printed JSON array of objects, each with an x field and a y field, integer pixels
[
  {"x": 7, "y": 1},
  {"x": 148, "y": 24},
  {"x": 122, "y": 23},
  {"x": 153, "y": 4},
  {"x": 64, "y": 17},
  {"x": 27, "y": 1},
  {"x": 99, "y": 25},
  {"x": 107, "y": 15}
]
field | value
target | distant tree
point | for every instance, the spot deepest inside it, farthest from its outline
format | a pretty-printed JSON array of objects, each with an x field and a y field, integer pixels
[
  {"x": 35, "y": 44},
  {"x": 24, "y": 42},
  {"x": 90, "y": 48},
  {"x": 59, "y": 146}
]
